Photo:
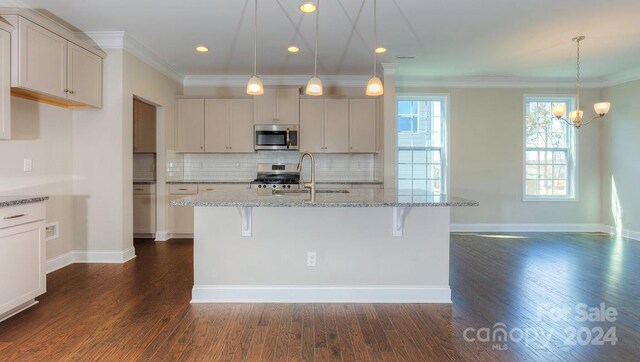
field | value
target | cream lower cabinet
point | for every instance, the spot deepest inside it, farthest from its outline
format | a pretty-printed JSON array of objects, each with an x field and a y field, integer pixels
[
  {"x": 181, "y": 217},
  {"x": 144, "y": 209},
  {"x": 324, "y": 125},
  {"x": 22, "y": 257},
  {"x": 5, "y": 81}
]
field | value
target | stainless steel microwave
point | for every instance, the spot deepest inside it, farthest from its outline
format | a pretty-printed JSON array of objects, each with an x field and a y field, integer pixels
[{"x": 276, "y": 137}]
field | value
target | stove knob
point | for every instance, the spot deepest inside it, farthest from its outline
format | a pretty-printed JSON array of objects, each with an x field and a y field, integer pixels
[
  {"x": 284, "y": 186},
  {"x": 274, "y": 186},
  {"x": 288, "y": 186},
  {"x": 259, "y": 186}
]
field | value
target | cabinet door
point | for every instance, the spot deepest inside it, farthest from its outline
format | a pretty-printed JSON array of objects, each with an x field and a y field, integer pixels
[
  {"x": 241, "y": 126},
  {"x": 264, "y": 107},
  {"x": 22, "y": 263},
  {"x": 144, "y": 127},
  {"x": 42, "y": 60},
  {"x": 5, "y": 85},
  {"x": 336, "y": 134},
  {"x": 144, "y": 214},
  {"x": 311, "y": 125},
  {"x": 288, "y": 106},
  {"x": 362, "y": 125},
  {"x": 180, "y": 217},
  {"x": 190, "y": 120},
  {"x": 85, "y": 76},
  {"x": 216, "y": 120}
]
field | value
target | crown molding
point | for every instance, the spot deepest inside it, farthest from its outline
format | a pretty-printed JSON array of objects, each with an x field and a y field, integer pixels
[
  {"x": 625, "y": 76},
  {"x": 495, "y": 82},
  {"x": 273, "y": 80},
  {"x": 120, "y": 40}
]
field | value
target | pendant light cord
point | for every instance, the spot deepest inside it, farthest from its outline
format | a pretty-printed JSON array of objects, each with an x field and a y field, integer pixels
[
  {"x": 315, "y": 63},
  {"x": 578, "y": 74},
  {"x": 375, "y": 37},
  {"x": 255, "y": 40}
]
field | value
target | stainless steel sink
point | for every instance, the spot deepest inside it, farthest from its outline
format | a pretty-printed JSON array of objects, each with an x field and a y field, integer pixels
[{"x": 306, "y": 191}]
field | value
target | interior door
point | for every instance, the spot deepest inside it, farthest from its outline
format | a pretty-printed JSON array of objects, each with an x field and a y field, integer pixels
[
  {"x": 336, "y": 139},
  {"x": 144, "y": 127}
]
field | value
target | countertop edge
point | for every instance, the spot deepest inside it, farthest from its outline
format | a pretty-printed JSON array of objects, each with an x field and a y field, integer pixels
[
  {"x": 321, "y": 204},
  {"x": 22, "y": 200}
]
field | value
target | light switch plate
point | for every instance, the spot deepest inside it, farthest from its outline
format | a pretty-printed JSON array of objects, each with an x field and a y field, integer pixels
[{"x": 28, "y": 165}]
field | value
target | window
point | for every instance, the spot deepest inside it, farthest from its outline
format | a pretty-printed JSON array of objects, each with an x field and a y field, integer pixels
[
  {"x": 550, "y": 151},
  {"x": 421, "y": 145}
]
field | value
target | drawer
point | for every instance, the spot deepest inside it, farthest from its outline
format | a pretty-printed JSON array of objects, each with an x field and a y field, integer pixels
[
  {"x": 183, "y": 189},
  {"x": 211, "y": 187},
  {"x": 21, "y": 214},
  {"x": 144, "y": 189}
]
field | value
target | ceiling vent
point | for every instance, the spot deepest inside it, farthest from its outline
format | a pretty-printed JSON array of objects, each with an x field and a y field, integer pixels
[{"x": 406, "y": 57}]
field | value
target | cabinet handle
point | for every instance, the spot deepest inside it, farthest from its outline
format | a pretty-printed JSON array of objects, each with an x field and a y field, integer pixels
[
  {"x": 139, "y": 189},
  {"x": 182, "y": 189},
  {"x": 72, "y": 92},
  {"x": 14, "y": 216},
  {"x": 66, "y": 91}
]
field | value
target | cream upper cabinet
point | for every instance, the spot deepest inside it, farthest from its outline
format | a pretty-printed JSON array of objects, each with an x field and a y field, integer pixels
[
  {"x": 144, "y": 127},
  {"x": 280, "y": 105},
  {"x": 42, "y": 60},
  {"x": 324, "y": 125},
  {"x": 241, "y": 126},
  {"x": 47, "y": 66},
  {"x": 336, "y": 135},
  {"x": 362, "y": 125},
  {"x": 312, "y": 125},
  {"x": 84, "y": 76},
  {"x": 216, "y": 123},
  {"x": 190, "y": 120},
  {"x": 5, "y": 84}
]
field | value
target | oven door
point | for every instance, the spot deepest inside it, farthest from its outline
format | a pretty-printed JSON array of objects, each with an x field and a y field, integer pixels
[{"x": 276, "y": 137}]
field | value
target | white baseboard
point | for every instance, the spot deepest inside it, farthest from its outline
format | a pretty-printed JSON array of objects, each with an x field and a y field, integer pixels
[
  {"x": 82, "y": 256},
  {"x": 144, "y": 235},
  {"x": 162, "y": 236},
  {"x": 180, "y": 236},
  {"x": 523, "y": 228},
  {"x": 319, "y": 294},
  {"x": 625, "y": 233}
]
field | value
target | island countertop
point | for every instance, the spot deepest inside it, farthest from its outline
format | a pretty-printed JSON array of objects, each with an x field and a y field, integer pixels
[
  {"x": 324, "y": 198},
  {"x": 6, "y": 201}
]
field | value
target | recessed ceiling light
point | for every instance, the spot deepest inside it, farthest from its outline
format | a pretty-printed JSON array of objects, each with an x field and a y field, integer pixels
[
  {"x": 293, "y": 49},
  {"x": 308, "y": 7},
  {"x": 381, "y": 50},
  {"x": 202, "y": 49}
]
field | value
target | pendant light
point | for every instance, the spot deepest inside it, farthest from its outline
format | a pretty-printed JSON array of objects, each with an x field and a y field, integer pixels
[
  {"x": 374, "y": 86},
  {"x": 575, "y": 117},
  {"x": 255, "y": 87},
  {"x": 314, "y": 86}
]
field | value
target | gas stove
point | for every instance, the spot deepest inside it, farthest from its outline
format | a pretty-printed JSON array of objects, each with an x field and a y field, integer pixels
[{"x": 277, "y": 176}]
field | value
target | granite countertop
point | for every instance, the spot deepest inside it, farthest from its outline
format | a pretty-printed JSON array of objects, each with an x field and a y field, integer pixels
[
  {"x": 249, "y": 181},
  {"x": 144, "y": 182},
  {"x": 353, "y": 198},
  {"x": 20, "y": 200}
]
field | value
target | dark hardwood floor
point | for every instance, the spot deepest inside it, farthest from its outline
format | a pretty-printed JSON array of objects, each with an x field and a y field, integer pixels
[{"x": 141, "y": 311}]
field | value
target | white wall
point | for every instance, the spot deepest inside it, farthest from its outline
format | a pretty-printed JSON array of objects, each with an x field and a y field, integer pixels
[
  {"x": 147, "y": 83},
  {"x": 98, "y": 153},
  {"x": 620, "y": 158},
  {"x": 485, "y": 159},
  {"x": 42, "y": 133}
]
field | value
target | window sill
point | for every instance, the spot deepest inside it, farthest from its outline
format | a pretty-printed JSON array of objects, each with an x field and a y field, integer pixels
[{"x": 549, "y": 199}]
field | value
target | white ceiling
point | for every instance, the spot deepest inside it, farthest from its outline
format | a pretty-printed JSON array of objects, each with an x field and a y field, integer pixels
[{"x": 449, "y": 38}]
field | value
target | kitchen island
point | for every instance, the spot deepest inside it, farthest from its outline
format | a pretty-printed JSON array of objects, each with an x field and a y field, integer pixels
[{"x": 366, "y": 245}]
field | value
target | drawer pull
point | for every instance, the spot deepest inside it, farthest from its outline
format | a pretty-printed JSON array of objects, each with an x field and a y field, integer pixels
[
  {"x": 139, "y": 189},
  {"x": 182, "y": 189},
  {"x": 14, "y": 216}
]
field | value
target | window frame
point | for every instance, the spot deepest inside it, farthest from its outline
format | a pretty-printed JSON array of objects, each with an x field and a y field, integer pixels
[
  {"x": 572, "y": 161},
  {"x": 444, "y": 154}
]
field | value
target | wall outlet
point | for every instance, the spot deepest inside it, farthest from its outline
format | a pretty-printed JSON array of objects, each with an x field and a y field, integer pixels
[
  {"x": 28, "y": 165},
  {"x": 52, "y": 230},
  {"x": 311, "y": 258}
]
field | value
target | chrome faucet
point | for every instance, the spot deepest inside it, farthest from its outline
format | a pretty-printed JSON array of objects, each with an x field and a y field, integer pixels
[{"x": 311, "y": 185}]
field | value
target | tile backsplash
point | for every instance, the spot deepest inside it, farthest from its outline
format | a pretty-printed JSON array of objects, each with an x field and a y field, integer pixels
[
  {"x": 144, "y": 166},
  {"x": 242, "y": 167}
]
